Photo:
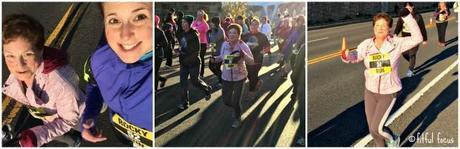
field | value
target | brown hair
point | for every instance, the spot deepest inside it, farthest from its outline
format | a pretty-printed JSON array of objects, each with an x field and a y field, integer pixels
[
  {"x": 23, "y": 26},
  {"x": 256, "y": 20},
  {"x": 384, "y": 16},
  {"x": 235, "y": 26}
]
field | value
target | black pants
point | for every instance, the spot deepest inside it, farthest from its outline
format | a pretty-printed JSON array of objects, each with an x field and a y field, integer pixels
[
  {"x": 215, "y": 69},
  {"x": 169, "y": 55},
  {"x": 203, "y": 48},
  {"x": 411, "y": 54},
  {"x": 253, "y": 75},
  {"x": 231, "y": 94},
  {"x": 193, "y": 71},
  {"x": 441, "y": 31},
  {"x": 157, "y": 73}
]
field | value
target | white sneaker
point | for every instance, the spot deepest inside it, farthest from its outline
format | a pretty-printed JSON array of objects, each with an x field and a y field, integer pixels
[
  {"x": 301, "y": 141},
  {"x": 409, "y": 73},
  {"x": 393, "y": 143},
  {"x": 236, "y": 123}
]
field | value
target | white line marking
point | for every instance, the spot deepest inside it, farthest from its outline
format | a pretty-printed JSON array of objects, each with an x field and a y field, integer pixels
[
  {"x": 400, "y": 111},
  {"x": 314, "y": 40}
]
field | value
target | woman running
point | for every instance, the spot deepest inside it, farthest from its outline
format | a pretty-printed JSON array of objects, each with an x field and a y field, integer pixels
[
  {"x": 441, "y": 15},
  {"x": 234, "y": 54},
  {"x": 381, "y": 55},
  {"x": 401, "y": 27}
]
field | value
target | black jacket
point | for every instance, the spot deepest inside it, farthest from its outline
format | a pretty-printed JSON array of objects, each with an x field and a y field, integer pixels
[
  {"x": 189, "y": 49},
  {"x": 418, "y": 18},
  {"x": 160, "y": 43}
]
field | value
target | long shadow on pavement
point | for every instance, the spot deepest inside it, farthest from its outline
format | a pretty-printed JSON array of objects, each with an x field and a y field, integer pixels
[
  {"x": 441, "y": 56},
  {"x": 429, "y": 115},
  {"x": 351, "y": 125},
  {"x": 163, "y": 99},
  {"x": 214, "y": 126}
]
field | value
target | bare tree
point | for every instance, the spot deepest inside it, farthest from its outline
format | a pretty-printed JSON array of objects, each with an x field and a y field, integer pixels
[{"x": 235, "y": 8}]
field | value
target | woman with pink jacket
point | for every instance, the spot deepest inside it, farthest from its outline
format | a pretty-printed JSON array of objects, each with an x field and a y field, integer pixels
[
  {"x": 381, "y": 55},
  {"x": 234, "y": 55},
  {"x": 202, "y": 27},
  {"x": 41, "y": 79}
]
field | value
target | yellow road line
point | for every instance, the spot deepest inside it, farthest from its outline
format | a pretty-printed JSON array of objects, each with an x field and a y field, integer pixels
[
  {"x": 14, "y": 111},
  {"x": 5, "y": 102},
  {"x": 335, "y": 54},
  {"x": 59, "y": 27}
]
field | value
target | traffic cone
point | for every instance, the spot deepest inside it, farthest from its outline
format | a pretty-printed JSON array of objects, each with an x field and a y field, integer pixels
[
  {"x": 344, "y": 43},
  {"x": 344, "y": 48}
]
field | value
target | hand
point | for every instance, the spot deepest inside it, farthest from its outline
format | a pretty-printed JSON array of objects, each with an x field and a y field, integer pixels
[
  {"x": 88, "y": 135},
  {"x": 424, "y": 42},
  {"x": 212, "y": 59},
  {"x": 28, "y": 139}
]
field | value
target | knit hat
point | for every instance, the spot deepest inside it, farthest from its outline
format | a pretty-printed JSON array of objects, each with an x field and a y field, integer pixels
[
  {"x": 157, "y": 20},
  {"x": 189, "y": 19}
]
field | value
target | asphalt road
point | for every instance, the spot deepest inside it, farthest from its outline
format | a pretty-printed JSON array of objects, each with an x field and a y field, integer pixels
[
  {"x": 270, "y": 120},
  {"x": 80, "y": 42},
  {"x": 335, "y": 89}
]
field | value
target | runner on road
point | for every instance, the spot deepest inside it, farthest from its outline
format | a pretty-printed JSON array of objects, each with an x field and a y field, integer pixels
[{"x": 381, "y": 55}]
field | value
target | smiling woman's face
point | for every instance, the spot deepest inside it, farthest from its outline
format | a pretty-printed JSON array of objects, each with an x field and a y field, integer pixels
[
  {"x": 128, "y": 29},
  {"x": 381, "y": 28},
  {"x": 22, "y": 61}
]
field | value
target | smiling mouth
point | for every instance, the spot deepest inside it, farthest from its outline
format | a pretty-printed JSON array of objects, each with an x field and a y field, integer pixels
[
  {"x": 128, "y": 47},
  {"x": 21, "y": 72}
]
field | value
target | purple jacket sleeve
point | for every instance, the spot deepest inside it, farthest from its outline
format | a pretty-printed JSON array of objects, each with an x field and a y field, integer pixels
[{"x": 93, "y": 102}]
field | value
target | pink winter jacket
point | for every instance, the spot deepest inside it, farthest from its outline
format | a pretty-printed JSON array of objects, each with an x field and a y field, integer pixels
[
  {"x": 202, "y": 27},
  {"x": 239, "y": 72},
  {"x": 57, "y": 93},
  {"x": 387, "y": 83}
]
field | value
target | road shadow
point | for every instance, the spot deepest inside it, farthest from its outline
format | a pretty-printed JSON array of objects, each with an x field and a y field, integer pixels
[
  {"x": 169, "y": 97},
  {"x": 351, "y": 125},
  {"x": 430, "y": 114},
  {"x": 440, "y": 57},
  {"x": 259, "y": 128}
]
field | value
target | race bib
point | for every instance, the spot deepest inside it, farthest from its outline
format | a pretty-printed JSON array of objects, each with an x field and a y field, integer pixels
[
  {"x": 231, "y": 60},
  {"x": 442, "y": 17},
  {"x": 139, "y": 136},
  {"x": 379, "y": 64},
  {"x": 37, "y": 112}
]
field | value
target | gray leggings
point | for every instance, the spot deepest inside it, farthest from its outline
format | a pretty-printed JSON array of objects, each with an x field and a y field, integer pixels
[
  {"x": 231, "y": 94},
  {"x": 378, "y": 107}
]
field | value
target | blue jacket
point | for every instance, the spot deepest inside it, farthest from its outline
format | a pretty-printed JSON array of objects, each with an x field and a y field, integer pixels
[{"x": 125, "y": 88}]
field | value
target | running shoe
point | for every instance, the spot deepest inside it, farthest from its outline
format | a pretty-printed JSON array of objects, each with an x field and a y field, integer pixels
[
  {"x": 409, "y": 73},
  {"x": 236, "y": 123}
]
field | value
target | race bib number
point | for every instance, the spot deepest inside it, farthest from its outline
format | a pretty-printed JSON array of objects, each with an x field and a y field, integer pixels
[
  {"x": 139, "y": 136},
  {"x": 231, "y": 61},
  {"x": 379, "y": 64}
]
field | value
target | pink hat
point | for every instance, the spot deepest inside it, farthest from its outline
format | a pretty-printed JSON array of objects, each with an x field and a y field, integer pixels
[{"x": 157, "y": 20}]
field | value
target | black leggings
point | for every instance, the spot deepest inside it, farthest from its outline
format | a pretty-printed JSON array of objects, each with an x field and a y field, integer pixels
[
  {"x": 411, "y": 57},
  {"x": 441, "y": 31},
  {"x": 253, "y": 75},
  {"x": 169, "y": 54},
  {"x": 231, "y": 93},
  {"x": 203, "y": 48},
  {"x": 157, "y": 73}
]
